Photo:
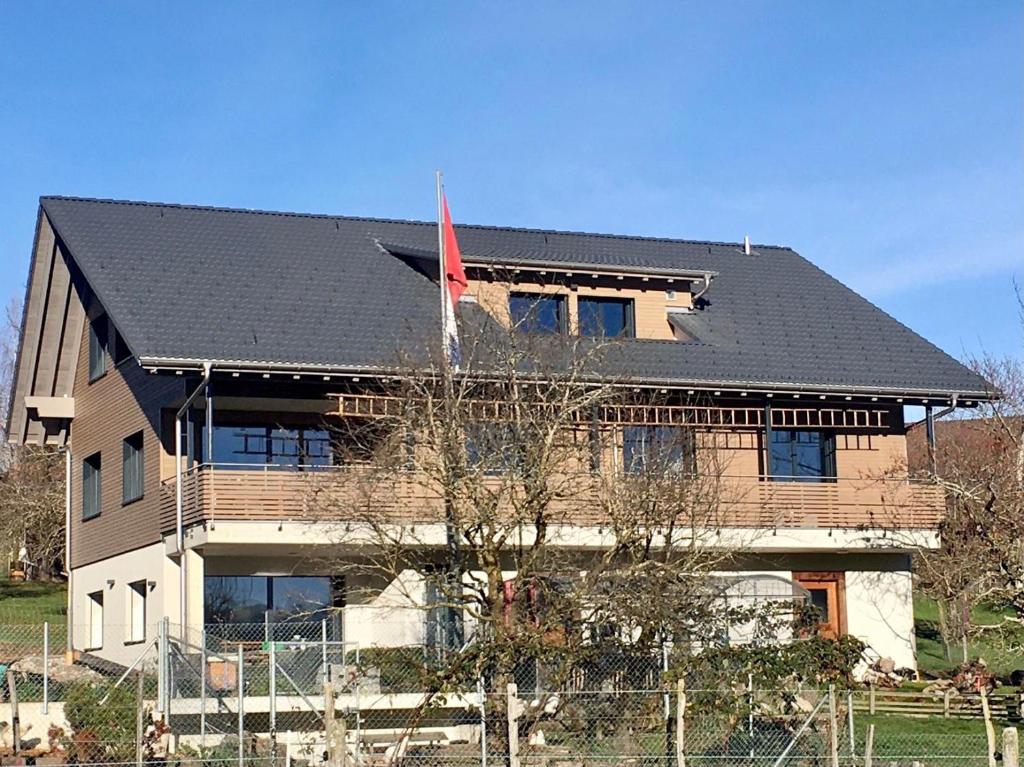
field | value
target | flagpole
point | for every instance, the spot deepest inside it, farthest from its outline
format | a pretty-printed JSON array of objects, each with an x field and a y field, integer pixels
[
  {"x": 442, "y": 280},
  {"x": 453, "y": 631}
]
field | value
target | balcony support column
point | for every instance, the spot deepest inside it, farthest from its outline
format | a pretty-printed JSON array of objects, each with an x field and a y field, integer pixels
[
  {"x": 929, "y": 420},
  {"x": 179, "y": 510},
  {"x": 768, "y": 439}
]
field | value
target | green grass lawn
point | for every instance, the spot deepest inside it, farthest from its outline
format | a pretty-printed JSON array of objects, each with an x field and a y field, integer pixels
[
  {"x": 999, "y": 652},
  {"x": 32, "y": 602}
]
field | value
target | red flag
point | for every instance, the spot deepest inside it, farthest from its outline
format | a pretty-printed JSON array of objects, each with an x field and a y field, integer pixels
[{"x": 455, "y": 274}]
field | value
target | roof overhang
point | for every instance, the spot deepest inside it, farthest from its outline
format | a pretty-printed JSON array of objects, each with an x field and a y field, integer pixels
[
  {"x": 540, "y": 264},
  {"x": 768, "y": 389}
]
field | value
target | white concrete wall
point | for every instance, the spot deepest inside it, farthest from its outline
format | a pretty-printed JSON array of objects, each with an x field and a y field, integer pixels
[
  {"x": 111, "y": 577},
  {"x": 880, "y": 612}
]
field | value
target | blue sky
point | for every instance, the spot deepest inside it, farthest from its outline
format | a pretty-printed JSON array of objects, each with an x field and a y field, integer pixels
[{"x": 884, "y": 141}]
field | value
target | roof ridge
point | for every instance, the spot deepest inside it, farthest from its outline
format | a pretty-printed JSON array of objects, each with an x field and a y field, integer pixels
[{"x": 406, "y": 221}]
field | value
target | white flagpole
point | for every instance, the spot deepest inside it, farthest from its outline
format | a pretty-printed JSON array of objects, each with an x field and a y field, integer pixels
[{"x": 443, "y": 276}]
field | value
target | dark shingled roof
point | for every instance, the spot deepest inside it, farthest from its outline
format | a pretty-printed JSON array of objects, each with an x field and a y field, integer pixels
[{"x": 198, "y": 283}]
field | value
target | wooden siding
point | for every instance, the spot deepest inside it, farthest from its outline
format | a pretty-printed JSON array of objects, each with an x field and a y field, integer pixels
[
  {"x": 122, "y": 402},
  {"x": 50, "y": 337},
  {"x": 213, "y": 493}
]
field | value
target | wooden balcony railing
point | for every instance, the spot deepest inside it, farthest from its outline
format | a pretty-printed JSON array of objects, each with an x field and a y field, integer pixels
[{"x": 274, "y": 493}]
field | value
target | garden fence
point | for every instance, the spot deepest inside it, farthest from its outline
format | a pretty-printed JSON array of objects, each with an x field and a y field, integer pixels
[{"x": 297, "y": 694}]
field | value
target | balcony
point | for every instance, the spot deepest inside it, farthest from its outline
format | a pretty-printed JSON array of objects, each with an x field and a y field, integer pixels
[{"x": 222, "y": 492}]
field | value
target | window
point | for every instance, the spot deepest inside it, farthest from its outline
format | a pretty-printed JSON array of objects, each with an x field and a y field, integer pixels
[
  {"x": 293, "y": 605},
  {"x": 137, "y": 611},
  {"x": 803, "y": 456},
  {"x": 537, "y": 313},
  {"x": 97, "y": 347},
  {"x": 91, "y": 486},
  {"x": 260, "y": 445},
  {"x": 131, "y": 469},
  {"x": 493, "y": 448},
  {"x": 606, "y": 317},
  {"x": 669, "y": 449},
  {"x": 95, "y": 620}
]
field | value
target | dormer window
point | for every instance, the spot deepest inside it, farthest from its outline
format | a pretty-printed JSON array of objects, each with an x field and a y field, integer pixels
[
  {"x": 606, "y": 317},
  {"x": 538, "y": 312}
]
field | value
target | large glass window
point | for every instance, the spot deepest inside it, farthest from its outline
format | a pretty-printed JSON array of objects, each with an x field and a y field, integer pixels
[
  {"x": 537, "y": 313},
  {"x": 91, "y": 486},
  {"x": 295, "y": 603},
  {"x": 803, "y": 456},
  {"x": 658, "y": 449},
  {"x": 273, "y": 445},
  {"x": 606, "y": 317}
]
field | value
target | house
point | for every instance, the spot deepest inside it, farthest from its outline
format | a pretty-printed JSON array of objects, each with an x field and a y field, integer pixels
[{"x": 189, "y": 359}]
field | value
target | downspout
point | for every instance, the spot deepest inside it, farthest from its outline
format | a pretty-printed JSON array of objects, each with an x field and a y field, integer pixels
[
  {"x": 179, "y": 513},
  {"x": 70, "y": 647}
]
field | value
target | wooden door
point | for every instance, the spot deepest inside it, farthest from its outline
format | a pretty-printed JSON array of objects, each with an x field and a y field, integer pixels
[{"x": 826, "y": 591}]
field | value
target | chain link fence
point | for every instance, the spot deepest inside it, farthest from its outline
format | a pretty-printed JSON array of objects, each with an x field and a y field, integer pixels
[{"x": 260, "y": 694}]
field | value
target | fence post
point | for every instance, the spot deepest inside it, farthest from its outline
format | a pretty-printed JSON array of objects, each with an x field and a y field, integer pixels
[
  {"x": 241, "y": 706},
  {"x": 324, "y": 669},
  {"x": 833, "y": 729},
  {"x": 140, "y": 707},
  {"x": 272, "y": 690},
  {"x": 871, "y": 699},
  {"x": 202, "y": 690},
  {"x": 680, "y": 722},
  {"x": 750, "y": 713},
  {"x": 334, "y": 730},
  {"x": 849, "y": 724},
  {"x": 46, "y": 667},
  {"x": 1011, "y": 747},
  {"x": 869, "y": 745},
  {"x": 161, "y": 667},
  {"x": 12, "y": 691},
  {"x": 946, "y": 696},
  {"x": 990, "y": 732},
  {"x": 483, "y": 721},
  {"x": 512, "y": 712}
]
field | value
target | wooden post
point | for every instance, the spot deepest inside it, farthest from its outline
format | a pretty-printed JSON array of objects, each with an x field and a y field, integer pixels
[
  {"x": 833, "y": 727},
  {"x": 945, "y": 703},
  {"x": 990, "y": 732},
  {"x": 871, "y": 699},
  {"x": 680, "y": 723},
  {"x": 12, "y": 691},
  {"x": 140, "y": 722},
  {"x": 869, "y": 745},
  {"x": 1011, "y": 747},
  {"x": 512, "y": 711},
  {"x": 334, "y": 730}
]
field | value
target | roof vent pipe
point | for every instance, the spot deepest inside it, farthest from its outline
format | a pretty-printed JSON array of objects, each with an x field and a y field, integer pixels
[{"x": 746, "y": 245}]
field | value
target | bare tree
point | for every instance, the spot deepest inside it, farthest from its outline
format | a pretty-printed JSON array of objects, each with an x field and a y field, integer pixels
[
  {"x": 545, "y": 516},
  {"x": 31, "y": 480},
  {"x": 980, "y": 463}
]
